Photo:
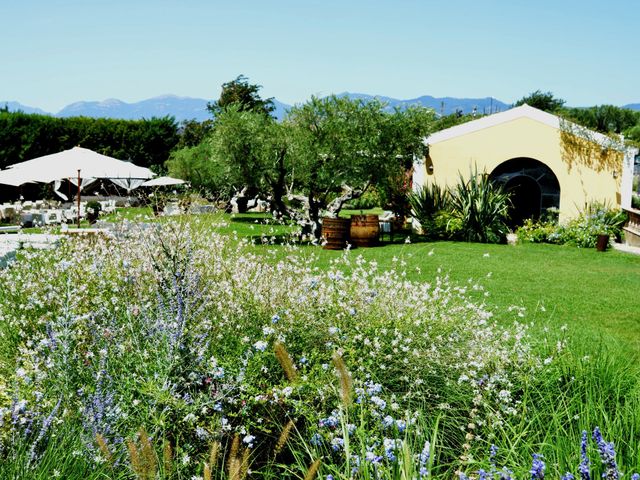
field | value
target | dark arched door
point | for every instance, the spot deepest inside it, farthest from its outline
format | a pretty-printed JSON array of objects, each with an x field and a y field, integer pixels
[{"x": 533, "y": 186}]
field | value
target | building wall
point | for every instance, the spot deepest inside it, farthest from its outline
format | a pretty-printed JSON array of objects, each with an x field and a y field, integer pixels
[{"x": 585, "y": 171}]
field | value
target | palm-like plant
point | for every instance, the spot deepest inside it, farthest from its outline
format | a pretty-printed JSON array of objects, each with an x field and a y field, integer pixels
[
  {"x": 426, "y": 202},
  {"x": 482, "y": 208}
]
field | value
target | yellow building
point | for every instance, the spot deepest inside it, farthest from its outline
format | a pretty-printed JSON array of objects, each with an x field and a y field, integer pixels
[{"x": 543, "y": 160}]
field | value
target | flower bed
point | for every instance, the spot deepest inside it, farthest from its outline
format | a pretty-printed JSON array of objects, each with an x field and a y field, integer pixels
[{"x": 182, "y": 352}]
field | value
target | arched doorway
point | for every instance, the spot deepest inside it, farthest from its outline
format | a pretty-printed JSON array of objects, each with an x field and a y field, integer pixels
[{"x": 533, "y": 186}]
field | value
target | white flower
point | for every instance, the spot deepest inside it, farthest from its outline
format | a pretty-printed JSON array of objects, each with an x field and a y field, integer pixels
[
  {"x": 260, "y": 345},
  {"x": 267, "y": 330},
  {"x": 248, "y": 439}
]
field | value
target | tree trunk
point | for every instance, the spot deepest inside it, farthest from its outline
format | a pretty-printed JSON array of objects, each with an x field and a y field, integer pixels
[
  {"x": 278, "y": 208},
  {"x": 244, "y": 199},
  {"x": 348, "y": 193}
]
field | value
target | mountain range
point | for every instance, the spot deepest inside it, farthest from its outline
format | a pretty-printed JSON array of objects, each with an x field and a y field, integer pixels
[{"x": 187, "y": 108}]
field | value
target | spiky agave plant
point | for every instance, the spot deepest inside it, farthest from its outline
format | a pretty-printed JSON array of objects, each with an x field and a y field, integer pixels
[
  {"x": 482, "y": 208},
  {"x": 426, "y": 201}
]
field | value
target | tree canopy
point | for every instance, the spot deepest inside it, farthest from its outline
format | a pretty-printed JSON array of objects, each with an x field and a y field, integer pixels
[
  {"x": 244, "y": 95},
  {"x": 542, "y": 100},
  {"x": 145, "y": 142},
  {"x": 326, "y": 152}
]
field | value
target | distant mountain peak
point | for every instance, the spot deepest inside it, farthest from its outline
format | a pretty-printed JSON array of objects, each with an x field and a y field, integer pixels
[{"x": 189, "y": 108}]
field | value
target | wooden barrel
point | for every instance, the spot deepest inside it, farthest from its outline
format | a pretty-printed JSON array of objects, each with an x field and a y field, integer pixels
[
  {"x": 335, "y": 232},
  {"x": 365, "y": 230}
]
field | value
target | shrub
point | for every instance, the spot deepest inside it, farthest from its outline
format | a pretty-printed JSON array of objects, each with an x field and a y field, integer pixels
[
  {"x": 426, "y": 204},
  {"x": 93, "y": 209},
  {"x": 539, "y": 231},
  {"x": 482, "y": 208},
  {"x": 597, "y": 219},
  {"x": 582, "y": 231}
]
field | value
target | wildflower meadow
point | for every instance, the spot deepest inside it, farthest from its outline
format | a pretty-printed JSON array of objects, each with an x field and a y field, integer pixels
[{"x": 178, "y": 352}]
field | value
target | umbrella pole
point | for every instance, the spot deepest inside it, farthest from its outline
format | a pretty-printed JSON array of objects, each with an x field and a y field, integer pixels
[{"x": 78, "y": 198}]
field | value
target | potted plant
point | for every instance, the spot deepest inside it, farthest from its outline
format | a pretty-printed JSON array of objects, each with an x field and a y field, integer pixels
[{"x": 93, "y": 210}]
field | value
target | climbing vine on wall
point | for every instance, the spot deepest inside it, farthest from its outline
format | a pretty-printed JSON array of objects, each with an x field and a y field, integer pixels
[{"x": 591, "y": 149}]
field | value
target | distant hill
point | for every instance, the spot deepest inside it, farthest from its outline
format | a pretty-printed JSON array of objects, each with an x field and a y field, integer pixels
[
  {"x": 15, "y": 106},
  {"x": 187, "y": 108},
  {"x": 182, "y": 108},
  {"x": 442, "y": 105}
]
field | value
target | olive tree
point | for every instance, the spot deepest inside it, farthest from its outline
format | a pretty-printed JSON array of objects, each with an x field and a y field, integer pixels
[
  {"x": 252, "y": 149},
  {"x": 339, "y": 147}
]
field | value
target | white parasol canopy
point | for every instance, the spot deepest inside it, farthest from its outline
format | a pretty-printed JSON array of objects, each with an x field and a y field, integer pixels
[
  {"x": 15, "y": 178},
  {"x": 65, "y": 165},
  {"x": 162, "y": 182}
]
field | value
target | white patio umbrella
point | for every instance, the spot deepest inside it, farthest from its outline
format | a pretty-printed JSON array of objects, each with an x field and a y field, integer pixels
[
  {"x": 91, "y": 164},
  {"x": 163, "y": 182},
  {"x": 15, "y": 178},
  {"x": 80, "y": 166}
]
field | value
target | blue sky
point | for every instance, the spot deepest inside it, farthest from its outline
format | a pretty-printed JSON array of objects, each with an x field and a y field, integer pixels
[{"x": 54, "y": 52}]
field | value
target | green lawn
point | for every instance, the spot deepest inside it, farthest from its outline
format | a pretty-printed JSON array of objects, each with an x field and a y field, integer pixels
[{"x": 595, "y": 294}]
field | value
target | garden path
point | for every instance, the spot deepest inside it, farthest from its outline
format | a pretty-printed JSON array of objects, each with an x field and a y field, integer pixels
[{"x": 626, "y": 248}]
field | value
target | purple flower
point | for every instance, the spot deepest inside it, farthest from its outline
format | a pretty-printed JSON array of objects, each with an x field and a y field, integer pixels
[
  {"x": 423, "y": 459},
  {"x": 505, "y": 474},
  {"x": 584, "y": 469},
  {"x": 607, "y": 456},
  {"x": 537, "y": 467},
  {"x": 482, "y": 475},
  {"x": 373, "y": 458},
  {"x": 46, "y": 423}
]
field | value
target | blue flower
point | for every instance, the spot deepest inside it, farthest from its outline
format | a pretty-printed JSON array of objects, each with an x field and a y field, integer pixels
[
  {"x": 423, "y": 459},
  {"x": 378, "y": 402},
  {"x": 373, "y": 458},
  {"x": 482, "y": 475},
  {"x": 583, "y": 468},
  {"x": 537, "y": 467},
  {"x": 387, "y": 421},
  {"x": 607, "y": 456},
  {"x": 337, "y": 443},
  {"x": 260, "y": 345}
]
